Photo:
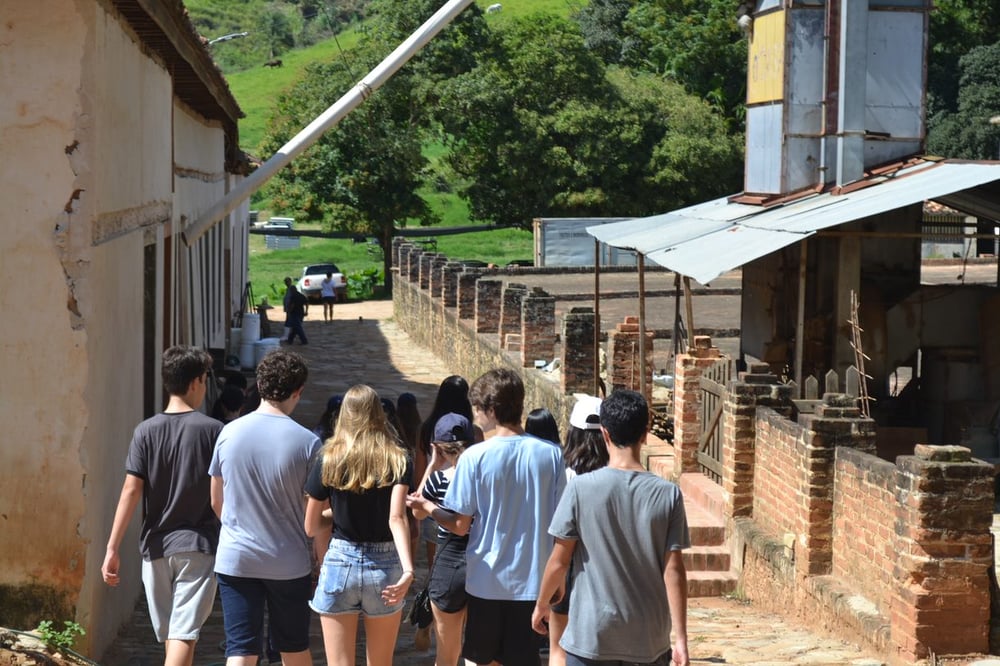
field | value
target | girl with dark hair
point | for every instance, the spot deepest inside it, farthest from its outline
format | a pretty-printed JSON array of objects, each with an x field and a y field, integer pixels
[
  {"x": 584, "y": 451},
  {"x": 542, "y": 425}
]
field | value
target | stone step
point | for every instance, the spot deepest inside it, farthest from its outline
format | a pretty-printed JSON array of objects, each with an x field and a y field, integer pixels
[
  {"x": 707, "y": 558},
  {"x": 701, "y": 490},
  {"x": 711, "y": 583},
  {"x": 704, "y": 528}
]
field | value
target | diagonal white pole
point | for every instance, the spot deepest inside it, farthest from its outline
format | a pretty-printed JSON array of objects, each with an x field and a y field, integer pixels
[{"x": 329, "y": 118}]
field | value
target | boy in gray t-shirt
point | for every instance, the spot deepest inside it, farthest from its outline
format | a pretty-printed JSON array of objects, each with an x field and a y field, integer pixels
[
  {"x": 625, "y": 527},
  {"x": 167, "y": 471}
]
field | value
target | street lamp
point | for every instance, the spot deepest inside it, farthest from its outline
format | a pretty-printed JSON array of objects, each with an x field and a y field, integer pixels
[{"x": 237, "y": 35}]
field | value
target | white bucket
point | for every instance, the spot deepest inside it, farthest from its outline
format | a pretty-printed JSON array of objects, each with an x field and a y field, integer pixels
[
  {"x": 235, "y": 338},
  {"x": 251, "y": 327},
  {"x": 247, "y": 356},
  {"x": 261, "y": 347}
]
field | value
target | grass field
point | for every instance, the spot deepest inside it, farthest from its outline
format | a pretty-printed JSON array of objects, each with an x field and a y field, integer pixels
[{"x": 268, "y": 268}]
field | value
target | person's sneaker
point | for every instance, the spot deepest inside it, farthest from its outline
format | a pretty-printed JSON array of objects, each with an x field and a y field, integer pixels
[{"x": 422, "y": 639}]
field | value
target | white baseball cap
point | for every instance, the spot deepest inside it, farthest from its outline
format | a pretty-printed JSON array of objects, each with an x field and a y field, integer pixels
[{"x": 586, "y": 414}]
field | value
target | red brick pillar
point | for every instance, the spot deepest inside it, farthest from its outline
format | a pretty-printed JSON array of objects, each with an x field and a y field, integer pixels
[
  {"x": 941, "y": 598},
  {"x": 538, "y": 327},
  {"x": 435, "y": 283},
  {"x": 488, "y": 294},
  {"x": 466, "y": 299},
  {"x": 413, "y": 265},
  {"x": 578, "y": 351},
  {"x": 623, "y": 357},
  {"x": 510, "y": 316},
  {"x": 687, "y": 402},
  {"x": 739, "y": 410},
  {"x": 449, "y": 286},
  {"x": 424, "y": 269},
  {"x": 837, "y": 422}
]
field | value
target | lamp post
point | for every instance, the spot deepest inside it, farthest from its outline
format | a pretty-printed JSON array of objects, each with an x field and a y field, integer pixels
[{"x": 237, "y": 35}]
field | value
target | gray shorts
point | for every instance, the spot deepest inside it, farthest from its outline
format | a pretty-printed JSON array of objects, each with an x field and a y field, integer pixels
[{"x": 180, "y": 592}]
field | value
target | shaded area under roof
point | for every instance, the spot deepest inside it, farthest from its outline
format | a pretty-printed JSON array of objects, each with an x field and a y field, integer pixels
[{"x": 708, "y": 239}]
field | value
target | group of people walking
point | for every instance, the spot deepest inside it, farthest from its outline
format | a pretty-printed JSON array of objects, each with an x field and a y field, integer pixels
[{"x": 532, "y": 535}]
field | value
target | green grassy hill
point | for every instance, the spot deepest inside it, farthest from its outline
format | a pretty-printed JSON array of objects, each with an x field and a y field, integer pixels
[{"x": 257, "y": 88}]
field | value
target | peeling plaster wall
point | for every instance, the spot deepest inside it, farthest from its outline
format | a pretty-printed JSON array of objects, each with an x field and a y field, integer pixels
[{"x": 85, "y": 131}]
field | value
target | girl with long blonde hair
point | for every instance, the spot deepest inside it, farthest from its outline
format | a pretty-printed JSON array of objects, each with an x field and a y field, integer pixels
[{"x": 363, "y": 475}]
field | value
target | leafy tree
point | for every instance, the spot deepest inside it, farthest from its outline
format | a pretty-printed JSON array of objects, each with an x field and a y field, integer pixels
[
  {"x": 968, "y": 133},
  {"x": 581, "y": 140},
  {"x": 602, "y": 25},
  {"x": 696, "y": 43},
  {"x": 956, "y": 27},
  {"x": 363, "y": 175},
  {"x": 275, "y": 30}
]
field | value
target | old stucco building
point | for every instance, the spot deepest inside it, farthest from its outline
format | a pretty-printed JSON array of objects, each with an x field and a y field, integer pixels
[{"x": 115, "y": 129}]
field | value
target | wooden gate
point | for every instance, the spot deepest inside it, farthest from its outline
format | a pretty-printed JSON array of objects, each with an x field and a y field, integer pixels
[{"x": 713, "y": 395}]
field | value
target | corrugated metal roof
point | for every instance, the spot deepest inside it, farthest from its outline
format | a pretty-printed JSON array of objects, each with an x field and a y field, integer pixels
[{"x": 708, "y": 239}]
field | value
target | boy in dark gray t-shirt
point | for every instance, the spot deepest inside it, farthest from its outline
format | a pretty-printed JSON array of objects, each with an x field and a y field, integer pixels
[
  {"x": 625, "y": 527},
  {"x": 167, "y": 470}
]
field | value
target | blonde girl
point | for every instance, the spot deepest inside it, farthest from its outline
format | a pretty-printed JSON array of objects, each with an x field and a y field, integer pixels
[{"x": 363, "y": 474}]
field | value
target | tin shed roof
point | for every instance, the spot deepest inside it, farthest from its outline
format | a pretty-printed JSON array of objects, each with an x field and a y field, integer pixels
[{"x": 708, "y": 239}]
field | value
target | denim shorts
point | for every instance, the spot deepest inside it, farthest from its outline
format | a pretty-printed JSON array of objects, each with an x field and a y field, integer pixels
[{"x": 353, "y": 577}]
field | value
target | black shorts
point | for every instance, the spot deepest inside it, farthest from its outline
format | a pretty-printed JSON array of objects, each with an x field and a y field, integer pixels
[
  {"x": 329, "y": 300},
  {"x": 500, "y": 630},
  {"x": 447, "y": 583}
]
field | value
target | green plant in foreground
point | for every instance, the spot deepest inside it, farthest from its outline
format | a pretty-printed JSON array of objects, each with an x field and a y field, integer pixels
[{"x": 60, "y": 640}]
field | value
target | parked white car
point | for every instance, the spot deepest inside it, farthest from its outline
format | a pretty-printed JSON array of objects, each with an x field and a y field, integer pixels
[{"x": 314, "y": 274}]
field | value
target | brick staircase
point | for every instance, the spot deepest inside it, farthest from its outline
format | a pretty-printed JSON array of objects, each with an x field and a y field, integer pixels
[{"x": 709, "y": 570}]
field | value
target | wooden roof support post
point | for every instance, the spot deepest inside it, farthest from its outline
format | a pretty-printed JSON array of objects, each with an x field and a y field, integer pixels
[
  {"x": 800, "y": 317},
  {"x": 642, "y": 323},
  {"x": 690, "y": 311},
  {"x": 597, "y": 317}
]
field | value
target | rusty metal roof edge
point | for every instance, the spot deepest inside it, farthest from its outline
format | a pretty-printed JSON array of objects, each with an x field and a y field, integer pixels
[{"x": 672, "y": 239}]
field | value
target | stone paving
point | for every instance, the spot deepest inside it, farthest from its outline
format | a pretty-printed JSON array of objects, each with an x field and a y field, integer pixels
[{"x": 363, "y": 344}]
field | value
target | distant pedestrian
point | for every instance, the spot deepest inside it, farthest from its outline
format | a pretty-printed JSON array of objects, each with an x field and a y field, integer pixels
[
  {"x": 503, "y": 496},
  {"x": 167, "y": 470},
  {"x": 364, "y": 475},
  {"x": 259, "y": 470},
  {"x": 629, "y": 582},
  {"x": 298, "y": 306},
  {"x": 229, "y": 405},
  {"x": 328, "y": 294}
]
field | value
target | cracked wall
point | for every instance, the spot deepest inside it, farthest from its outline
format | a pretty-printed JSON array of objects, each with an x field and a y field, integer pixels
[{"x": 89, "y": 126}]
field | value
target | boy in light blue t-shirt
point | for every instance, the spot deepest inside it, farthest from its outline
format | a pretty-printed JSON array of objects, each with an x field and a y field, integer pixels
[{"x": 503, "y": 495}]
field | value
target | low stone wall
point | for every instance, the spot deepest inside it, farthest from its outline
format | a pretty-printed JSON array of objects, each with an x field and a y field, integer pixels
[{"x": 440, "y": 330}]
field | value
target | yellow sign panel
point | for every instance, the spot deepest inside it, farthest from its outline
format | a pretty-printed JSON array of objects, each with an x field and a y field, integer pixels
[{"x": 766, "y": 68}]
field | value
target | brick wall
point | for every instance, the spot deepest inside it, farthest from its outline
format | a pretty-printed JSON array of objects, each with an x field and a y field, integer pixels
[
  {"x": 624, "y": 367},
  {"x": 578, "y": 353},
  {"x": 864, "y": 516},
  {"x": 779, "y": 484},
  {"x": 538, "y": 328}
]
